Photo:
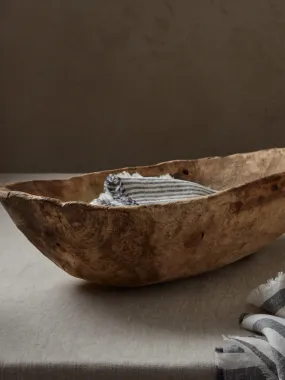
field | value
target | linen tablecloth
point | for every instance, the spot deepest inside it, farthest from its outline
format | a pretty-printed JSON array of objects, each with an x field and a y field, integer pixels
[{"x": 53, "y": 326}]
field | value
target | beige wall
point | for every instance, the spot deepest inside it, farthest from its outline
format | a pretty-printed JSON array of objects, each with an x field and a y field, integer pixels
[{"x": 92, "y": 84}]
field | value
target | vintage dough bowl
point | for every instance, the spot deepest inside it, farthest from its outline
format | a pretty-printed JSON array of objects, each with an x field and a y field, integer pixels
[{"x": 141, "y": 245}]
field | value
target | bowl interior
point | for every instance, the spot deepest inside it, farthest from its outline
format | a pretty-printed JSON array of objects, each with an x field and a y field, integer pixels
[{"x": 217, "y": 172}]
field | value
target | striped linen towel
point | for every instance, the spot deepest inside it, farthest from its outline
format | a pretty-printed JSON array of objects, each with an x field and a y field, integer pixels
[
  {"x": 262, "y": 356},
  {"x": 133, "y": 189}
]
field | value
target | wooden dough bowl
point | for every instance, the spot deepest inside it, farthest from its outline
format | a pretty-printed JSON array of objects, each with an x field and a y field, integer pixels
[{"x": 141, "y": 245}]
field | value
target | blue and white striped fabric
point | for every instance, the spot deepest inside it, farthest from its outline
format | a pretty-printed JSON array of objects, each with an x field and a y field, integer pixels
[
  {"x": 259, "y": 357},
  {"x": 126, "y": 189}
]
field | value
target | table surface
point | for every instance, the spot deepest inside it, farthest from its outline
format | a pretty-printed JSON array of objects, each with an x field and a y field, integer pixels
[{"x": 55, "y": 326}]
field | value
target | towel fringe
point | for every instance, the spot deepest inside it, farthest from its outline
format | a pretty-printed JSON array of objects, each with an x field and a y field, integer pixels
[{"x": 259, "y": 295}]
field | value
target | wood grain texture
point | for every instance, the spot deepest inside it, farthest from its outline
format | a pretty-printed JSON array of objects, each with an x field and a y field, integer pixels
[{"x": 142, "y": 245}]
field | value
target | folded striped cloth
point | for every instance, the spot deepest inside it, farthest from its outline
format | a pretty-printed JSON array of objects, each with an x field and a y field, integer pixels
[
  {"x": 262, "y": 356},
  {"x": 133, "y": 189}
]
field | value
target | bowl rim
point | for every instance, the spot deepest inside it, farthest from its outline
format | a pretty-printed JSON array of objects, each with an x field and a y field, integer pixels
[{"x": 6, "y": 194}]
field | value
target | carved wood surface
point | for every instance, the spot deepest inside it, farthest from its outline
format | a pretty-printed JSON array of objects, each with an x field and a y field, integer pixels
[{"x": 142, "y": 245}]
